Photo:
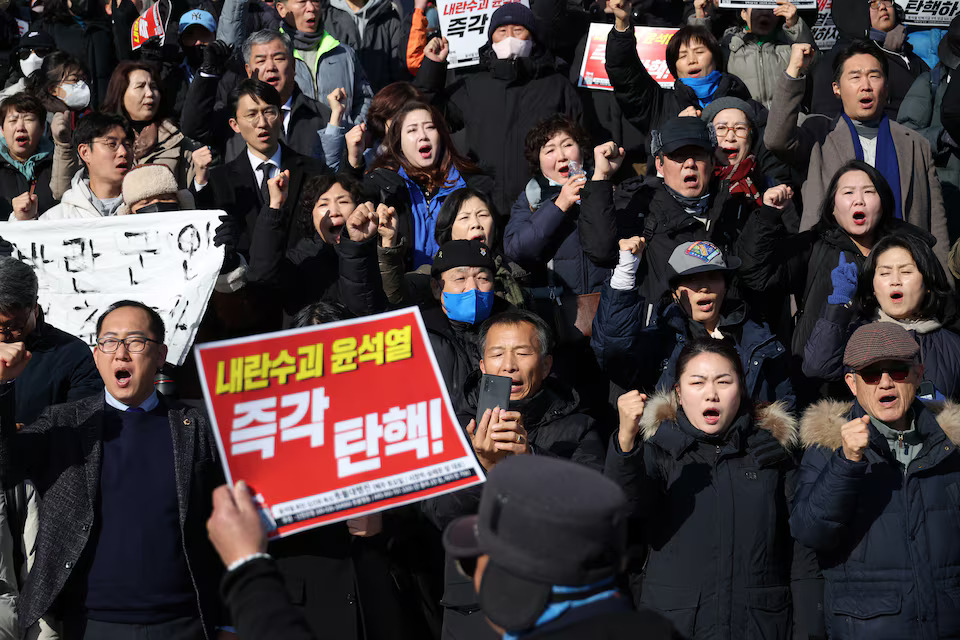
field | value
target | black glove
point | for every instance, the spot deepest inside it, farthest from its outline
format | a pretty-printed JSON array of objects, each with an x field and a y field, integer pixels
[
  {"x": 152, "y": 50},
  {"x": 215, "y": 57},
  {"x": 227, "y": 235}
]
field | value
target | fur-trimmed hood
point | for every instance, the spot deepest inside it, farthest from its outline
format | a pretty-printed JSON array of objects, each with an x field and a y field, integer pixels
[
  {"x": 821, "y": 423},
  {"x": 773, "y": 418}
]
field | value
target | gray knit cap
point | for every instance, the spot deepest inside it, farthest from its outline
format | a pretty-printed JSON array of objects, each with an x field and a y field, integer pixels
[{"x": 728, "y": 102}]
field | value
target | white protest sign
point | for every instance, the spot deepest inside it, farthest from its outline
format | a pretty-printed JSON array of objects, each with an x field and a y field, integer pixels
[
  {"x": 464, "y": 23},
  {"x": 764, "y": 4},
  {"x": 165, "y": 260},
  {"x": 929, "y": 13}
]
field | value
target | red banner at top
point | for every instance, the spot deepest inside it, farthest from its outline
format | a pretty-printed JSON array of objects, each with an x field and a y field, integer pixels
[{"x": 335, "y": 421}]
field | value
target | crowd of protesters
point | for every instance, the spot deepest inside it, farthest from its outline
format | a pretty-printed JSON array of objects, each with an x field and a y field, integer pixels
[{"x": 727, "y": 309}]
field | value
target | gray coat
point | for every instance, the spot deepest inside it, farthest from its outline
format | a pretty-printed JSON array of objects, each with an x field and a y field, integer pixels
[
  {"x": 920, "y": 111},
  {"x": 761, "y": 65},
  {"x": 337, "y": 67},
  {"x": 61, "y": 454},
  {"x": 820, "y": 147},
  {"x": 374, "y": 32}
]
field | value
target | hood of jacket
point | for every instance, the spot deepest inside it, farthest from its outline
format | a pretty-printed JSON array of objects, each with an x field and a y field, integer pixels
[
  {"x": 79, "y": 194},
  {"x": 821, "y": 423},
  {"x": 773, "y": 418}
]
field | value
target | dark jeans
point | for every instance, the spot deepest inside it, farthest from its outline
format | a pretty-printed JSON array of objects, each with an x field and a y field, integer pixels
[{"x": 179, "y": 629}]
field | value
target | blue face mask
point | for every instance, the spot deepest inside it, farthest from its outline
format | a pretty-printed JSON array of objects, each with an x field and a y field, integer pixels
[{"x": 470, "y": 306}]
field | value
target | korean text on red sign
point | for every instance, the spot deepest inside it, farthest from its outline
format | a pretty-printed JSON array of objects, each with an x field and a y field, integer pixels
[
  {"x": 335, "y": 421},
  {"x": 651, "y": 47}
]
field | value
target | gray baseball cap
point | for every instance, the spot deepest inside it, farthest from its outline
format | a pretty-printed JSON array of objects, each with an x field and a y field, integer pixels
[{"x": 698, "y": 257}]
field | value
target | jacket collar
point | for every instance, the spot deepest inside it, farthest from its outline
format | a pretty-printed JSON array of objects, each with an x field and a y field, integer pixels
[
  {"x": 662, "y": 409},
  {"x": 821, "y": 423}
]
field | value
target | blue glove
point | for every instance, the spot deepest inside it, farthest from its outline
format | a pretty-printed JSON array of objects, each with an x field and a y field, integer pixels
[{"x": 844, "y": 279}]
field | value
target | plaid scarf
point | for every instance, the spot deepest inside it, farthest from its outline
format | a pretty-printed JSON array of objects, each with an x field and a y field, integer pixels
[{"x": 739, "y": 177}]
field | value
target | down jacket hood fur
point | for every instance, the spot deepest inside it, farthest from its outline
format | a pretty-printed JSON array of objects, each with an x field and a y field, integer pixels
[
  {"x": 821, "y": 423},
  {"x": 773, "y": 418}
]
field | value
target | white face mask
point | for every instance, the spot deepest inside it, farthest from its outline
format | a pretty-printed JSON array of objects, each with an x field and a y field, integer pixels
[
  {"x": 76, "y": 96},
  {"x": 31, "y": 64},
  {"x": 511, "y": 48}
]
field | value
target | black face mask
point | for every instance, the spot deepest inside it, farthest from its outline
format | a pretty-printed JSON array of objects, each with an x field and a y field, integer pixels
[
  {"x": 193, "y": 56},
  {"x": 158, "y": 207}
]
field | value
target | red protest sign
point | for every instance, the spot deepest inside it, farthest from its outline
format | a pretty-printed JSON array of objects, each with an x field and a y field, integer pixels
[
  {"x": 146, "y": 26},
  {"x": 651, "y": 47},
  {"x": 335, "y": 421}
]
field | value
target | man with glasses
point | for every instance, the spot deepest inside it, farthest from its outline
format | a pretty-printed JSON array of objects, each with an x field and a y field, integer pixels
[
  {"x": 240, "y": 186},
  {"x": 878, "y": 496},
  {"x": 104, "y": 143},
  {"x": 126, "y": 479}
]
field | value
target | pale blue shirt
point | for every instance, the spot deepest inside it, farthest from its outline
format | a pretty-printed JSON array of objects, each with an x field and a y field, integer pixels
[{"x": 147, "y": 405}]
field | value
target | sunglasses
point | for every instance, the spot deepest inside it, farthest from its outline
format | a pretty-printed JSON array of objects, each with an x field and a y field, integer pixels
[
  {"x": 23, "y": 54},
  {"x": 898, "y": 373},
  {"x": 466, "y": 567}
]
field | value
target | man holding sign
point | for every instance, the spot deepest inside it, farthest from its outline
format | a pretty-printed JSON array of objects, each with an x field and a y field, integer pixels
[{"x": 126, "y": 481}]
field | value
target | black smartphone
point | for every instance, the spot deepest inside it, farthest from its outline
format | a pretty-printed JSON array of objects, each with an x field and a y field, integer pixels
[{"x": 494, "y": 392}]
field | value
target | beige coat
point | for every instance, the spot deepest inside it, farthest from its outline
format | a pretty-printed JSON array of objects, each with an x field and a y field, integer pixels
[{"x": 820, "y": 147}]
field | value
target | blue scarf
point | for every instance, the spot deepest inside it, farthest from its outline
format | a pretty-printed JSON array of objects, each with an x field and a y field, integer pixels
[
  {"x": 425, "y": 214},
  {"x": 886, "y": 161},
  {"x": 29, "y": 168},
  {"x": 556, "y": 609},
  {"x": 704, "y": 87}
]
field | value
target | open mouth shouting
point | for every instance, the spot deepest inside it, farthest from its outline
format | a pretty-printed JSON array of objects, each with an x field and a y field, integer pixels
[
  {"x": 859, "y": 218},
  {"x": 888, "y": 400},
  {"x": 564, "y": 170},
  {"x": 123, "y": 376},
  {"x": 694, "y": 72},
  {"x": 711, "y": 415},
  {"x": 730, "y": 152},
  {"x": 331, "y": 225},
  {"x": 896, "y": 297},
  {"x": 867, "y": 102},
  {"x": 426, "y": 151}
]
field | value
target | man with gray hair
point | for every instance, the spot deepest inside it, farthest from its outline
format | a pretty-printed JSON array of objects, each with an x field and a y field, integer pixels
[
  {"x": 308, "y": 127},
  {"x": 61, "y": 370}
]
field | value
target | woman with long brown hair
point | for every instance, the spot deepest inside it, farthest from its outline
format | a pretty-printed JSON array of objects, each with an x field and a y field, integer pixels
[
  {"x": 416, "y": 171},
  {"x": 134, "y": 93}
]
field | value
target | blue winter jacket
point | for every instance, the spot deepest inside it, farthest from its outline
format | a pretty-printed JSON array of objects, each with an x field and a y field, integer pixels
[
  {"x": 534, "y": 238},
  {"x": 638, "y": 357},
  {"x": 823, "y": 354},
  {"x": 887, "y": 539}
]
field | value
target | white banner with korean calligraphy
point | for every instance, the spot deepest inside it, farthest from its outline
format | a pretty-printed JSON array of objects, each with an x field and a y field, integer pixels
[
  {"x": 929, "y": 13},
  {"x": 165, "y": 260},
  {"x": 464, "y": 23}
]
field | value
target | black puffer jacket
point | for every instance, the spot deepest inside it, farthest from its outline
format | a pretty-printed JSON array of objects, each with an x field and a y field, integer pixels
[
  {"x": 497, "y": 106},
  {"x": 776, "y": 261},
  {"x": 553, "y": 419},
  {"x": 886, "y": 536},
  {"x": 713, "y": 512},
  {"x": 645, "y": 207}
]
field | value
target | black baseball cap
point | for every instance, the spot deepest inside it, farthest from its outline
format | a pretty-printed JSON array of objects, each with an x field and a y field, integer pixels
[
  {"x": 679, "y": 132},
  {"x": 543, "y": 522},
  {"x": 949, "y": 48},
  {"x": 462, "y": 253}
]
